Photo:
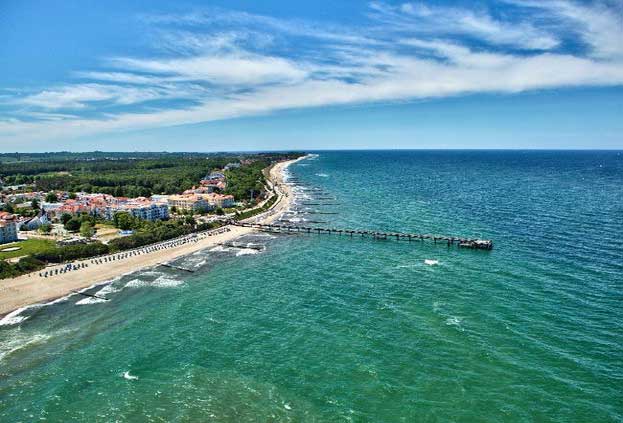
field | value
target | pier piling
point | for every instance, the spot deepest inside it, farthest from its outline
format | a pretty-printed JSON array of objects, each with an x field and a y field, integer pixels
[{"x": 472, "y": 243}]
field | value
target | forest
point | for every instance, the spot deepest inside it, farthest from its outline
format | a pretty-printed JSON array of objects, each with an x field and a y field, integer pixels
[{"x": 134, "y": 174}]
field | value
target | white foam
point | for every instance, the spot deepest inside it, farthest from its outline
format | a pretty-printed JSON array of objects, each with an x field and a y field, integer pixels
[
  {"x": 13, "y": 318},
  {"x": 58, "y": 300},
  {"x": 128, "y": 376},
  {"x": 247, "y": 252},
  {"x": 201, "y": 263},
  {"x": 108, "y": 289},
  {"x": 431, "y": 262},
  {"x": 14, "y": 344},
  {"x": 322, "y": 175},
  {"x": 219, "y": 248},
  {"x": 136, "y": 283},
  {"x": 165, "y": 282},
  {"x": 454, "y": 321},
  {"x": 160, "y": 282},
  {"x": 264, "y": 235},
  {"x": 90, "y": 300}
]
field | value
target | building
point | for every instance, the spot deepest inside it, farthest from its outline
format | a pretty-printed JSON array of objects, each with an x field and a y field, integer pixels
[
  {"x": 219, "y": 200},
  {"x": 106, "y": 206},
  {"x": 8, "y": 228},
  {"x": 213, "y": 184},
  {"x": 215, "y": 176},
  {"x": 203, "y": 189},
  {"x": 73, "y": 207},
  {"x": 232, "y": 166},
  {"x": 35, "y": 222},
  {"x": 145, "y": 209},
  {"x": 194, "y": 202},
  {"x": 51, "y": 209}
]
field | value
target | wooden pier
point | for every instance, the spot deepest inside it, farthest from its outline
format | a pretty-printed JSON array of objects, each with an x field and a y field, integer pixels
[{"x": 479, "y": 244}]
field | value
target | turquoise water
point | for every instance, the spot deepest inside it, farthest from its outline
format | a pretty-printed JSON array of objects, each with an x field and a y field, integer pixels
[{"x": 321, "y": 328}]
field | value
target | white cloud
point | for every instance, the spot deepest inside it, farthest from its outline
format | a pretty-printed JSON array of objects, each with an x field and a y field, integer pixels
[
  {"x": 600, "y": 25},
  {"x": 260, "y": 23},
  {"x": 417, "y": 18},
  {"x": 220, "y": 69},
  {"x": 80, "y": 96},
  {"x": 226, "y": 76},
  {"x": 121, "y": 77}
]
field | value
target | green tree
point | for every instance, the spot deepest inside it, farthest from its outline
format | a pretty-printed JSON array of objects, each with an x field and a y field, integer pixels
[
  {"x": 124, "y": 221},
  {"x": 46, "y": 228},
  {"x": 220, "y": 211},
  {"x": 73, "y": 196},
  {"x": 73, "y": 224},
  {"x": 87, "y": 230},
  {"x": 65, "y": 217},
  {"x": 34, "y": 204},
  {"x": 51, "y": 197}
]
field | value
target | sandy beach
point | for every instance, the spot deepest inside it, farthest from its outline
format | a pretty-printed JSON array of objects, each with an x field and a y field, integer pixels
[{"x": 32, "y": 289}]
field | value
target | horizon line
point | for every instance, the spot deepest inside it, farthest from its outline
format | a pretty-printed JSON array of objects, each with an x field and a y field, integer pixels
[{"x": 306, "y": 150}]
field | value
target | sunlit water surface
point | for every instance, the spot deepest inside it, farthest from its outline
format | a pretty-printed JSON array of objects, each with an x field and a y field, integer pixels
[{"x": 328, "y": 328}]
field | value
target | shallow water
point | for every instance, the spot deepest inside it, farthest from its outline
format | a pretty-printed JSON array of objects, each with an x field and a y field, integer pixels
[{"x": 322, "y": 328}]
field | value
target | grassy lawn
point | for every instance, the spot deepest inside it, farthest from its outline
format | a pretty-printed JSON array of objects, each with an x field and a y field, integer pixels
[{"x": 27, "y": 247}]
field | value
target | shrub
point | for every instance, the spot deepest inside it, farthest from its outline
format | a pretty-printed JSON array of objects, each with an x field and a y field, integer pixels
[
  {"x": 73, "y": 224},
  {"x": 72, "y": 252}
]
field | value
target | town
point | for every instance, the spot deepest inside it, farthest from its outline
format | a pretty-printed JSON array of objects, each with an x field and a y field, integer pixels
[{"x": 39, "y": 227}]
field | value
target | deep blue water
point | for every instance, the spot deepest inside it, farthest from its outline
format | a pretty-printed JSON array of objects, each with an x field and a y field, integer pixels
[{"x": 327, "y": 328}]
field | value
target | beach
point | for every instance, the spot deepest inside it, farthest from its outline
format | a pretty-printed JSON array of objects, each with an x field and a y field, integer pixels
[
  {"x": 31, "y": 289},
  {"x": 326, "y": 327}
]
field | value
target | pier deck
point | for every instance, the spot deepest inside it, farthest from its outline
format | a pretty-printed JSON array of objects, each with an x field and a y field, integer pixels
[{"x": 473, "y": 243}]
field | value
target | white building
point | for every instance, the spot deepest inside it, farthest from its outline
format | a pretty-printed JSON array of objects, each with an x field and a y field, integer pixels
[
  {"x": 141, "y": 208},
  {"x": 8, "y": 229},
  {"x": 220, "y": 200},
  {"x": 194, "y": 202},
  {"x": 147, "y": 211},
  {"x": 35, "y": 222}
]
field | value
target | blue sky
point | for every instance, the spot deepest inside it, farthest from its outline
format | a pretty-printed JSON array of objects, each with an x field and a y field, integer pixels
[{"x": 243, "y": 75}]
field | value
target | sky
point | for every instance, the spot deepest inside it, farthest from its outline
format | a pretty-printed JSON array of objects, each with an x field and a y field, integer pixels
[{"x": 235, "y": 75}]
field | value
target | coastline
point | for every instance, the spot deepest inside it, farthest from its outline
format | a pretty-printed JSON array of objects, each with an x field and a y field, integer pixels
[{"x": 29, "y": 290}]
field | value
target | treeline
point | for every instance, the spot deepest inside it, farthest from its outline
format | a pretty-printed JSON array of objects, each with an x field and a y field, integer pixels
[
  {"x": 71, "y": 252},
  {"x": 246, "y": 182},
  {"x": 162, "y": 232},
  {"x": 250, "y": 213},
  {"x": 138, "y": 177},
  {"x": 24, "y": 265}
]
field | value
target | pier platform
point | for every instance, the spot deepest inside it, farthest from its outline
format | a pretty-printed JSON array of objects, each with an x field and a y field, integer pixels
[{"x": 472, "y": 243}]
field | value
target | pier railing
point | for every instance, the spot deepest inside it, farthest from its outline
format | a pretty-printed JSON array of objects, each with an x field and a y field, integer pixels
[{"x": 473, "y": 243}]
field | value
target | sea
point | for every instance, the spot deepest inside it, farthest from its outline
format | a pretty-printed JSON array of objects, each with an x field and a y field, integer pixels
[{"x": 329, "y": 328}]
